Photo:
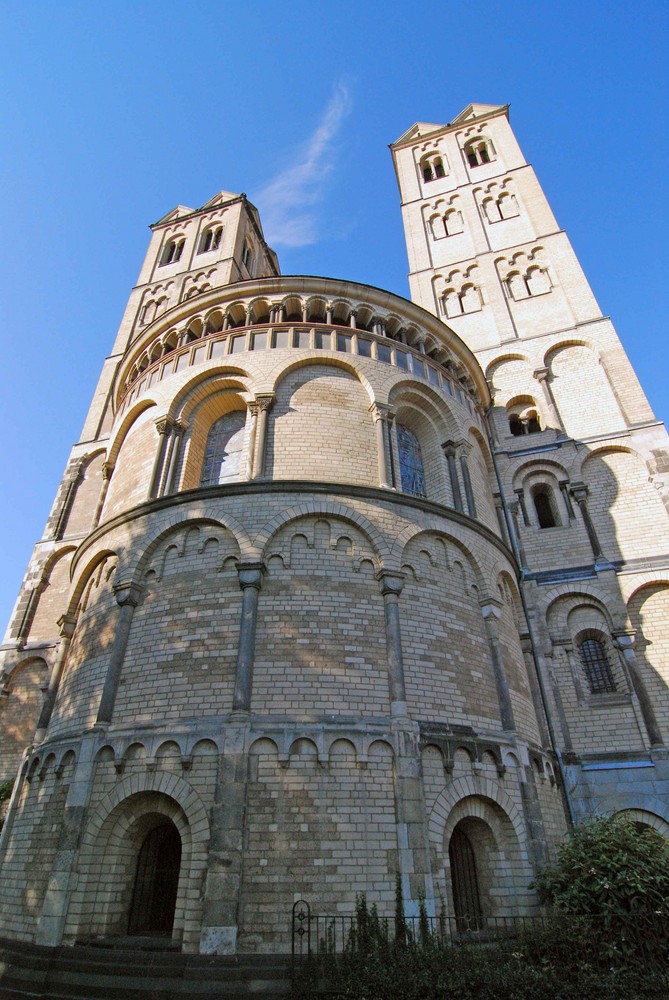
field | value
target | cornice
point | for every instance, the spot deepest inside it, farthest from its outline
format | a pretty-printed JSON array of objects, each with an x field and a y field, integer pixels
[{"x": 317, "y": 286}]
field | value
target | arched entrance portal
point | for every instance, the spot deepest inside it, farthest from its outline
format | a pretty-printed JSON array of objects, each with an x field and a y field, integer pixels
[
  {"x": 465, "y": 882},
  {"x": 154, "y": 894}
]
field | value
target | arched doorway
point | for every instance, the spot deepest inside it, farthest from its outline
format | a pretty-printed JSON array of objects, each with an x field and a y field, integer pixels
[
  {"x": 156, "y": 881},
  {"x": 465, "y": 882}
]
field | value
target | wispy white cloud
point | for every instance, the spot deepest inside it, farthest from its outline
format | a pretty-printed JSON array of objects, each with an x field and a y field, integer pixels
[{"x": 288, "y": 202}]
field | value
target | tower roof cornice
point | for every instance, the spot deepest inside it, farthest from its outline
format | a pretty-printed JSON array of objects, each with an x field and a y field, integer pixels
[{"x": 421, "y": 130}]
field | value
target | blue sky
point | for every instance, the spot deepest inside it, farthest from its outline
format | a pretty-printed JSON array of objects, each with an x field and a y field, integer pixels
[{"x": 112, "y": 113}]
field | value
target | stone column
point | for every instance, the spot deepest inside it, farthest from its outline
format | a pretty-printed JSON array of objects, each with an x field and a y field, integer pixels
[
  {"x": 625, "y": 640},
  {"x": 173, "y": 461},
  {"x": 492, "y": 611},
  {"x": 62, "y": 880},
  {"x": 164, "y": 428},
  {"x": 467, "y": 482},
  {"x": 250, "y": 581},
  {"x": 449, "y": 451},
  {"x": 563, "y": 652},
  {"x": 380, "y": 418},
  {"x": 564, "y": 490},
  {"x": 541, "y": 375},
  {"x": 411, "y": 820},
  {"x": 73, "y": 481},
  {"x": 265, "y": 403},
  {"x": 127, "y": 597},
  {"x": 513, "y": 510},
  {"x": 67, "y": 625},
  {"x": 107, "y": 470},
  {"x": 352, "y": 320},
  {"x": 253, "y": 409},
  {"x": 579, "y": 491},
  {"x": 523, "y": 506},
  {"x": 223, "y": 884},
  {"x": 391, "y": 587}
]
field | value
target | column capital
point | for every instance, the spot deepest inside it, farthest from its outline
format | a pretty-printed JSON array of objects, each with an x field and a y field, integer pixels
[
  {"x": 107, "y": 470},
  {"x": 390, "y": 582},
  {"x": 164, "y": 424},
  {"x": 451, "y": 447},
  {"x": 624, "y": 638},
  {"x": 541, "y": 374},
  {"x": 265, "y": 401},
  {"x": 66, "y": 624},
  {"x": 381, "y": 411},
  {"x": 128, "y": 594},
  {"x": 579, "y": 491},
  {"x": 491, "y": 609},
  {"x": 250, "y": 575}
]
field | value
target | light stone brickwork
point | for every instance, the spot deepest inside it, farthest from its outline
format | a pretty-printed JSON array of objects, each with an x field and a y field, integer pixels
[{"x": 420, "y": 597}]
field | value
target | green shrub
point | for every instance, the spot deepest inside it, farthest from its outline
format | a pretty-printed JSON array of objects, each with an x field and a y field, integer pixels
[{"x": 617, "y": 876}]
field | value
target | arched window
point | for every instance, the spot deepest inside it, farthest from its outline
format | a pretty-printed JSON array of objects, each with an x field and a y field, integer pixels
[
  {"x": 479, "y": 151},
  {"x": 465, "y": 883},
  {"x": 211, "y": 239},
  {"x": 516, "y": 425},
  {"x": 453, "y": 223},
  {"x": 544, "y": 505},
  {"x": 154, "y": 894},
  {"x": 412, "y": 472},
  {"x": 523, "y": 421},
  {"x": 596, "y": 665},
  {"x": 432, "y": 167},
  {"x": 223, "y": 454},
  {"x": 173, "y": 250}
]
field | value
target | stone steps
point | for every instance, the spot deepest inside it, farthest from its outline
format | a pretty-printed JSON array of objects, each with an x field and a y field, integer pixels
[{"x": 89, "y": 972}]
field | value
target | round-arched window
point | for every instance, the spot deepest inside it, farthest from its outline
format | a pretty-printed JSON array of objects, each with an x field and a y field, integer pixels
[
  {"x": 412, "y": 472},
  {"x": 223, "y": 454}
]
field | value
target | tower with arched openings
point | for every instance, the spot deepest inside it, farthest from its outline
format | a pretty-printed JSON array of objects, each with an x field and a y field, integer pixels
[{"x": 338, "y": 586}]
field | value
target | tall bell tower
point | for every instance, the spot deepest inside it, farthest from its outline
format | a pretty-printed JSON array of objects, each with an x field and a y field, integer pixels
[{"x": 581, "y": 461}]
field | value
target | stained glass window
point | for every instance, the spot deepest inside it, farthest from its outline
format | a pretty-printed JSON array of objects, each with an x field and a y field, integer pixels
[{"x": 411, "y": 463}]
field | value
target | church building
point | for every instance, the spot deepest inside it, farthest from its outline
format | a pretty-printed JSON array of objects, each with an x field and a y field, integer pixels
[{"x": 338, "y": 586}]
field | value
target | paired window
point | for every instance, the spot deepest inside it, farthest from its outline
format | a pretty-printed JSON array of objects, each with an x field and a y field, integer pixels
[
  {"x": 506, "y": 207},
  {"x": 211, "y": 239},
  {"x": 467, "y": 300},
  {"x": 449, "y": 224},
  {"x": 173, "y": 250},
  {"x": 479, "y": 151},
  {"x": 535, "y": 282},
  {"x": 247, "y": 256},
  {"x": 432, "y": 168},
  {"x": 595, "y": 660},
  {"x": 526, "y": 422}
]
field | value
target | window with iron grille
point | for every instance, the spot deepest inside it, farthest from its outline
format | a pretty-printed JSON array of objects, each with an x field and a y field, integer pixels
[{"x": 596, "y": 665}]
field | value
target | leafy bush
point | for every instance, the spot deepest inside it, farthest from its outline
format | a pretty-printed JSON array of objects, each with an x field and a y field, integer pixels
[{"x": 616, "y": 875}]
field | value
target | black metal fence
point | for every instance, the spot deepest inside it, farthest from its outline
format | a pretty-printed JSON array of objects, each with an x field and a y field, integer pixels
[{"x": 327, "y": 934}]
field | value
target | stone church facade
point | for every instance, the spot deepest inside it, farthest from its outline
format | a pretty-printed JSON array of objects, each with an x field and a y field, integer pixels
[{"x": 339, "y": 586}]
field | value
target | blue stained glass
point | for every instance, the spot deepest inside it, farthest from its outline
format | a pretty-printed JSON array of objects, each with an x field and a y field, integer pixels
[{"x": 411, "y": 463}]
